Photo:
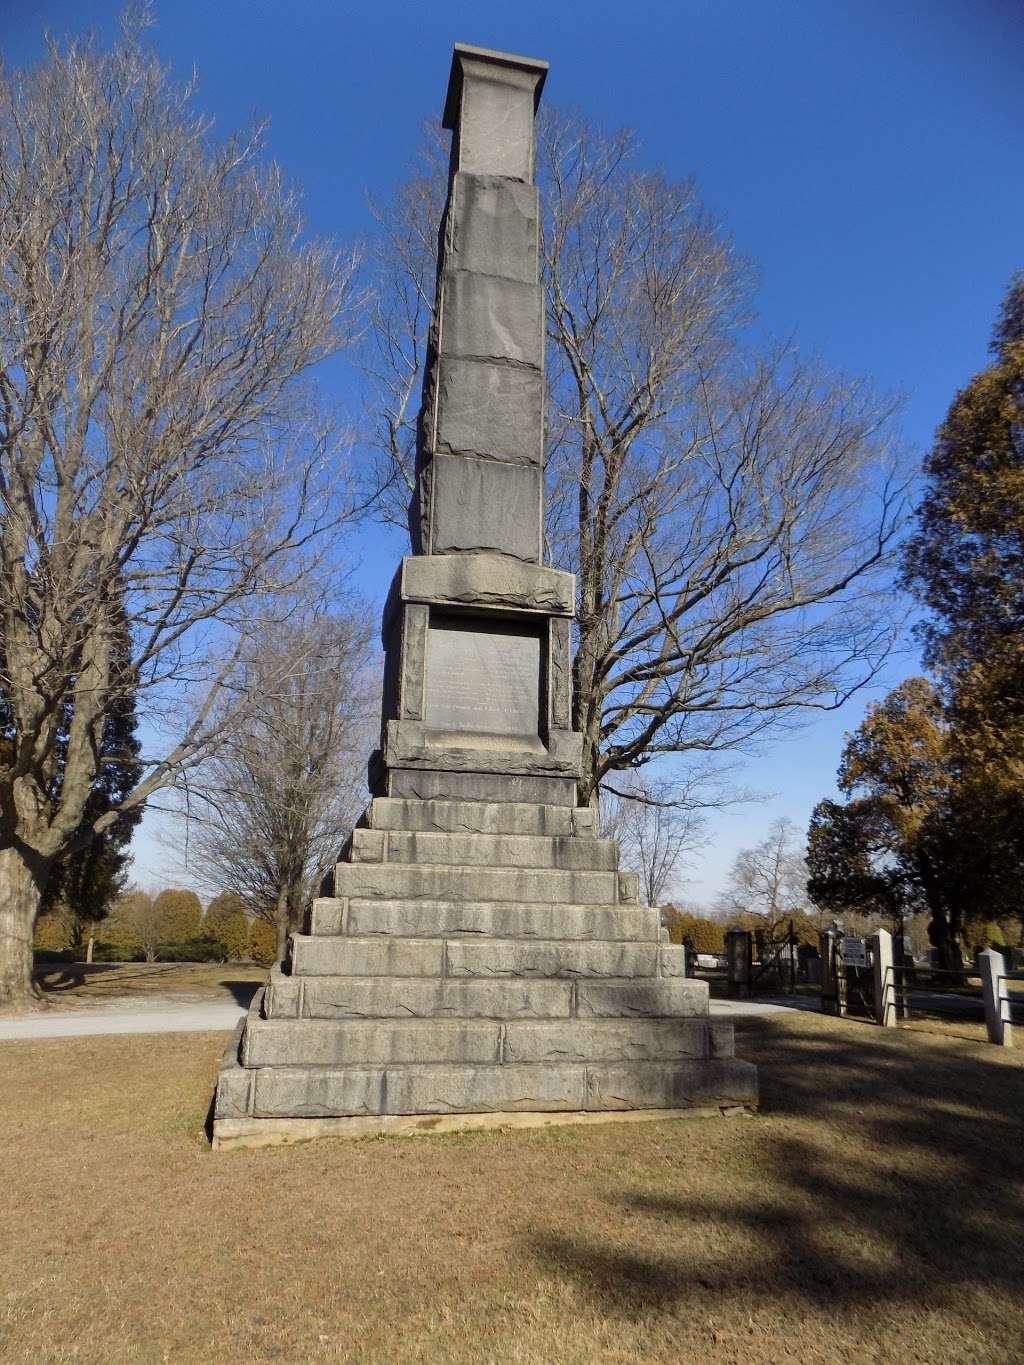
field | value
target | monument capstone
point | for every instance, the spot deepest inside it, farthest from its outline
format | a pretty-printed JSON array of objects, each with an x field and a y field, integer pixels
[{"x": 476, "y": 957}]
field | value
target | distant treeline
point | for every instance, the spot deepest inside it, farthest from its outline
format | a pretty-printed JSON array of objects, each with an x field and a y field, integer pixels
[{"x": 172, "y": 926}]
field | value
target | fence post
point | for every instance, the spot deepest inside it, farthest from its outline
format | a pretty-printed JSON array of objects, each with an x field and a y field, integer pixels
[
  {"x": 997, "y": 1005},
  {"x": 829, "y": 982},
  {"x": 884, "y": 977},
  {"x": 900, "y": 955},
  {"x": 842, "y": 983}
]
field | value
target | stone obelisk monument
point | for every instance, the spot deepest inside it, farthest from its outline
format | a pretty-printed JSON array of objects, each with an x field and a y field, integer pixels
[{"x": 480, "y": 958}]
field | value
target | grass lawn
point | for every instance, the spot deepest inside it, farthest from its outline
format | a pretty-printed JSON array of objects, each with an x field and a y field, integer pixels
[
  {"x": 874, "y": 1211},
  {"x": 73, "y": 985}
]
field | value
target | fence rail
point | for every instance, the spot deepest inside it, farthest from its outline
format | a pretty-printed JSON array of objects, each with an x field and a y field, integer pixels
[{"x": 869, "y": 976}]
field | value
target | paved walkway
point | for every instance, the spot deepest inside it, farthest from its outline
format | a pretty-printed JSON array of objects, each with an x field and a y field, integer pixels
[
  {"x": 778, "y": 1005},
  {"x": 164, "y": 1016}
]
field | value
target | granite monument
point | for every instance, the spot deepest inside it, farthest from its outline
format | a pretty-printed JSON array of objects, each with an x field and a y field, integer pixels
[{"x": 477, "y": 958}]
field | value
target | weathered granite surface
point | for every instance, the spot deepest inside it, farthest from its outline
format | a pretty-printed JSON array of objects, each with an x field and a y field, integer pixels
[
  {"x": 494, "y": 227},
  {"x": 485, "y": 506},
  {"x": 480, "y": 410},
  {"x": 477, "y": 952},
  {"x": 490, "y": 581}
]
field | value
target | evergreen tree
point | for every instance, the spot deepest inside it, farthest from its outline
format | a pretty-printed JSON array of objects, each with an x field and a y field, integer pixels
[
  {"x": 966, "y": 560},
  {"x": 177, "y": 917},
  {"x": 262, "y": 941},
  {"x": 88, "y": 878},
  {"x": 88, "y": 881}
]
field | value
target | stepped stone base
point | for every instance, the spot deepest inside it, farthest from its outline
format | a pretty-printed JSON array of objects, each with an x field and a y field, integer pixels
[
  {"x": 479, "y": 964},
  {"x": 477, "y": 958},
  {"x": 229, "y": 1133}
]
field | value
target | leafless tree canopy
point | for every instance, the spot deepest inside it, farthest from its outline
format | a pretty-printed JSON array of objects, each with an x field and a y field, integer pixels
[
  {"x": 164, "y": 474},
  {"x": 730, "y": 512},
  {"x": 268, "y": 812},
  {"x": 658, "y": 824},
  {"x": 403, "y": 265},
  {"x": 768, "y": 880}
]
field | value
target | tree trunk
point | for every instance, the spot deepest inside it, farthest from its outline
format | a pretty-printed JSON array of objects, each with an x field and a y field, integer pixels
[
  {"x": 21, "y": 890},
  {"x": 943, "y": 922},
  {"x": 88, "y": 948},
  {"x": 943, "y": 940},
  {"x": 281, "y": 920}
]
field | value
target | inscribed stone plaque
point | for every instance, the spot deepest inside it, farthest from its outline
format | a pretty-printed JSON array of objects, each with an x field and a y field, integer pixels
[{"x": 482, "y": 676}]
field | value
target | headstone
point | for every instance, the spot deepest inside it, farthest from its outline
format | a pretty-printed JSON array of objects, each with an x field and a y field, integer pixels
[
  {"x": 738, "y": 953},
  {"x": 477, "y": 957},
  {"x": 833, "y": 973}
]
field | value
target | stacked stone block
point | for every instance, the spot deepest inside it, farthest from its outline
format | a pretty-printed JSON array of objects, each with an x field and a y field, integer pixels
[
  {"x": 477, "y": 955},
  {"x": 477, "y": 958},
  {"x": 481, "y": 439}
]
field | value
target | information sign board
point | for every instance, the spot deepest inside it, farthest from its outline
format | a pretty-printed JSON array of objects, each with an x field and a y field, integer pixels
[{"x": 854, "y": 952}]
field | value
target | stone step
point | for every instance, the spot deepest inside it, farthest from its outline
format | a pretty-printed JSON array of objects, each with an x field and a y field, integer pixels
[
  {"x": 664, "y": 998},
  {"x": 617, "y": 1040},
  {"x": 383, "y": 997},
  {"x": 432, "y": 785},
  {"x": 444, "y": 882},
  {"x": 368, "y": 1042},
  {"x": 476, "y": 817},
  {"x": 560, "y": 957},
  {"x": 382, "y": 955},
  {"x": 569, "y": 852},
  {"x": 361, "y": 1042},
  {"x": 499, "y": 998},
  {"x": 427, "y": 1088},
  {"x": 496, "y": 919}
]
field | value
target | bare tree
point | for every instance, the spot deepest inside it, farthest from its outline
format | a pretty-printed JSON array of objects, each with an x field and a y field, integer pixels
[
  {"x": 769, "y": 880},
  {"x": 730, "y": 514},
  {"x": 164, "y": 471},
  {"x": 403, "y": 265},
  {"x": 269, "y": 810},
  {"x": 657, "y": 823}
]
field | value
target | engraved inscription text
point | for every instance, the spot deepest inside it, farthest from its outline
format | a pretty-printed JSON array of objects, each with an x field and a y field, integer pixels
[{"x": 483, "y": 677}]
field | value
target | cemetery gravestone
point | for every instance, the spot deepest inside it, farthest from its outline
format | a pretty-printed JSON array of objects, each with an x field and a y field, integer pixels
[{"x": 477, "y": 957}]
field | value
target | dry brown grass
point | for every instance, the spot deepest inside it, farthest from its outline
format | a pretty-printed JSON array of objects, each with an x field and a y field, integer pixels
[
  {"x": 873, "y": 1212},
  {"x": 73, "y": 985}
]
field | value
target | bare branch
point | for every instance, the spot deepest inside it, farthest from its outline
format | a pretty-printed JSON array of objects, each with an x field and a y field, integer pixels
[{"x": 165, "y": 466}]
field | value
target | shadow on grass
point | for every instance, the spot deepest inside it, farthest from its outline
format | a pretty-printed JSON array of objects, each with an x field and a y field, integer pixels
[
  {"x": 924, "y": 1204},
  {"x": 56, "y": 979}
]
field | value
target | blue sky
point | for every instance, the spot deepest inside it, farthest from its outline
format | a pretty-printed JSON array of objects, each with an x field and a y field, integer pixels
[{"x": 866, "y": 154}]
